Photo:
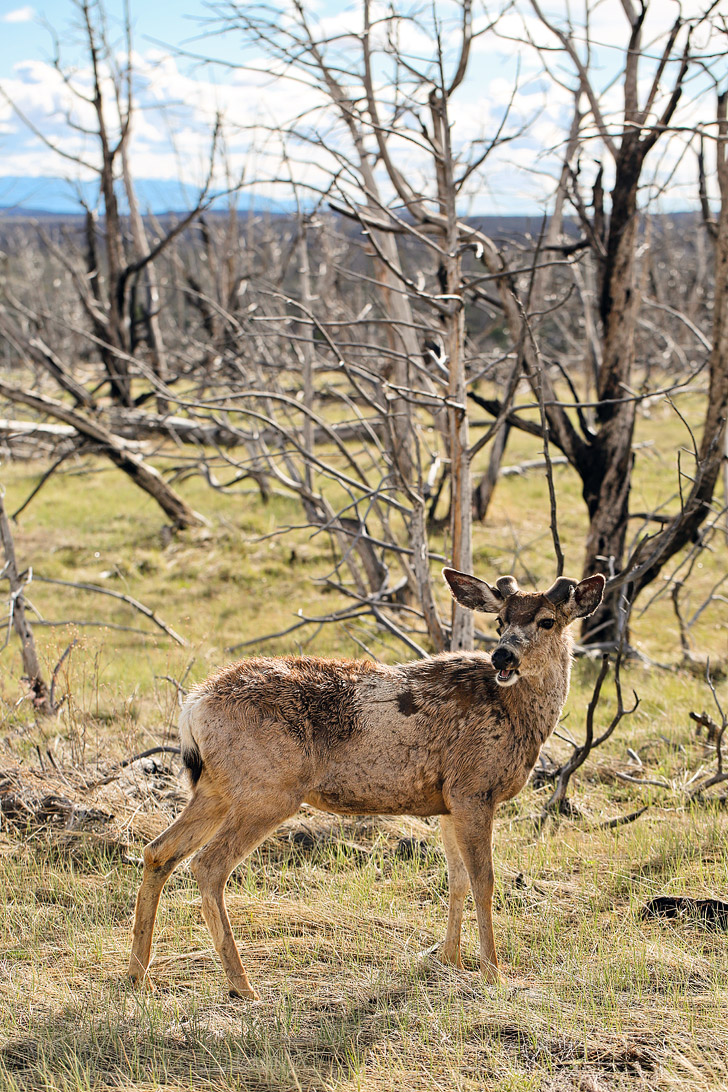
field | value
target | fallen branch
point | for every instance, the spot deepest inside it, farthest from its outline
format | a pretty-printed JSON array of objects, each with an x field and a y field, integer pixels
[
  {"x": 715, "y": 779},
  {"x": 146, "y": 611},
  {"x": 712, "y": 912},
  {"x": 211, "y": 432},
  {"x": 621, "y": 820},
  {"x": 703, "y": 720},
  {"x": 642, "y": 780},
  {"x": 119, "y": 451},
  {"x": 161, "y": 749},
  {"x": 531, "y": 464}
]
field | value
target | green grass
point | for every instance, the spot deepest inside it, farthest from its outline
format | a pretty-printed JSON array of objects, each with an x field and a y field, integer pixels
[{"x": 334, "y": 940}]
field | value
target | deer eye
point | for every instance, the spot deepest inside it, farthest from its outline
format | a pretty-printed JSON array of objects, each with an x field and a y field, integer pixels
[
  {"x": 546, "y": 623},
  {"x": 499, "y": 625}
]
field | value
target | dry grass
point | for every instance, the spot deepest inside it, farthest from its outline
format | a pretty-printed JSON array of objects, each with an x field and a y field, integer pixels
[{"x": 337, "y": 929}]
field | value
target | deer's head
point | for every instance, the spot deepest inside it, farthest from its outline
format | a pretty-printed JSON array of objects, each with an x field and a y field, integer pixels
[{"x": 530, "y": 624}]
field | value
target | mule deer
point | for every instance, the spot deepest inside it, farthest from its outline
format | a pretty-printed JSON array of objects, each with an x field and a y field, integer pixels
[{"x": 451, "y": 736}]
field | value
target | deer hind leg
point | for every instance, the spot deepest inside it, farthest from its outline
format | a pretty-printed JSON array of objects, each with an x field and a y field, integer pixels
[
  {"x": 474, "y": 834},
  {"x": 241, "y": 832},
  {"x": 458, "y": 886},
  {"x": 196, "y": 825}
]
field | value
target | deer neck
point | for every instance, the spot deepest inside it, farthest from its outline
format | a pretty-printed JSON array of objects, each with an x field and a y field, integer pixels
[{"x": 536, "y": 701}]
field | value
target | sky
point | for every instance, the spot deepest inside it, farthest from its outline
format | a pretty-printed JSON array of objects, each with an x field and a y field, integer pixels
[
  {"x": 169, "y": 21},
  {"x": 178, "y": 98}
]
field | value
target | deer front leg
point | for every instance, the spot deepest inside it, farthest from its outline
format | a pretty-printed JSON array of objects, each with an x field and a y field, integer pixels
[
  {"x": 474, "y": 835},
  {"x": 458, "y": 884}
]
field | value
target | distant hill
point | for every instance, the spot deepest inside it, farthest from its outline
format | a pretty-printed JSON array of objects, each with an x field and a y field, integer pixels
[
  {"x": 58, "y": 201},
  {"x": 33, "y": 198}
]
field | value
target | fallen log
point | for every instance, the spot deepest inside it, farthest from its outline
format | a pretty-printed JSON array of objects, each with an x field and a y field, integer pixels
[
  {"x": 209, "y": 433},
  {"x": 119, "y": 450},
  {"x": 137, "y": 428}
]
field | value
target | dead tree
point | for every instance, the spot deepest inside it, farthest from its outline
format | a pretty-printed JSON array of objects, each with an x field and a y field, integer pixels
[
  {"x": 406, "y": 355},
  {"x": 113, "y": 269},
  {"x": 41, "y": 697},
  {"x": 598, "y": 439},
  {"x": 652, "y": 552},
  {"x": 118, "y": 451}
]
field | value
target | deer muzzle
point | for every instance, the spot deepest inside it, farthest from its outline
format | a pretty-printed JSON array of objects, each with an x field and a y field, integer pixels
[{"x": 506, "y": 663}]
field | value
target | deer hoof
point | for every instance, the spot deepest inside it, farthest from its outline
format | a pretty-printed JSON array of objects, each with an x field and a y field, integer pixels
[
  {"x": 243, "y": 994},
  {"x": 492, "y": 975},
  {"x": 140, "y": 981},
  {"x": 450, "y": 956}
]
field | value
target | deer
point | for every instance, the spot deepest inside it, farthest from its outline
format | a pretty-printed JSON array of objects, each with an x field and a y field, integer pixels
[{"x": 451, "y": 736}]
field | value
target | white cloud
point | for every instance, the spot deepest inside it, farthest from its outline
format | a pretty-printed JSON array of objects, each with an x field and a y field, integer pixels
[
  {"x": 176, "y": 109},
  {"x": 19, "y": 15}
]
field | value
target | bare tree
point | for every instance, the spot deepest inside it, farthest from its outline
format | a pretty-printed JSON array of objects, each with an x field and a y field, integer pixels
[
  {"x": 407, "y": 357},
  {"x": 652, "y": 553},
  {"x": 599, "y": 443},
  {"x": 106, "y": 270},
  {"x": 17, "y": 619}
]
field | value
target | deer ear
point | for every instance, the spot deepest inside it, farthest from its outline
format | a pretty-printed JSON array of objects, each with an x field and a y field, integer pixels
[
  {"x": 586, "y": 597},
  {"x": 473, "y": 593}
]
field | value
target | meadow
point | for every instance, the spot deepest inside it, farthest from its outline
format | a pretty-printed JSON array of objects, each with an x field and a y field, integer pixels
[{"x": 338, "y": 921}]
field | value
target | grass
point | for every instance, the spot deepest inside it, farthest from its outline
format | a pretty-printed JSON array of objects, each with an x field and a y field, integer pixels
[
  {"x": 336, "y": 939},
  {"x": 335, "y": 947}
]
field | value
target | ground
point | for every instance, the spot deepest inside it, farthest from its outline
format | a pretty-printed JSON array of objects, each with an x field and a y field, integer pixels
[{"x": 338, "y": 921}]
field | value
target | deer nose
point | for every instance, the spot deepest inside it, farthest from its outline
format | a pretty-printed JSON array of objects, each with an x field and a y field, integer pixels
[{"x": 504, "y": 658}]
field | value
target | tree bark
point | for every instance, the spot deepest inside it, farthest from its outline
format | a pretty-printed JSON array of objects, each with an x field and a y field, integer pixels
[
  {"x": 31, "y": 665},
  {"x": 607, "y": 473}
]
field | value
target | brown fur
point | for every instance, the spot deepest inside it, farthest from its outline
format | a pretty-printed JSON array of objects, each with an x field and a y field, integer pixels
[{"x": 433, "y": 737}]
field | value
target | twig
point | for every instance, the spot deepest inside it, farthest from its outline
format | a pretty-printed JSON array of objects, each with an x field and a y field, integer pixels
[
  {"x": 83, "y": 623},
  {"x": 719, "y": 731},
  {"x": 182, "y": 691},
  {"x": 57, "y": 668},
  {"x": 161, "y": 749},
  {"x": 723, "y": 717},
  {"x": 621, "y": 820},
  {"x": 124, "y": 598},
  {"x": 685, "y": 642},
  {"x": 337, "y": 616},
  {"x": 57, "y": 768},
  {"x": 397, "y": 632},
  {"x": 44, "y": 478},
  {"x": 642, "y": 780}
]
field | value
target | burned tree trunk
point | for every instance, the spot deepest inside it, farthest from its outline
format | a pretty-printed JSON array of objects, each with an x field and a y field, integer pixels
[
  {"x": 650, "y": 557},
  {"x": 607, "y": 464}
]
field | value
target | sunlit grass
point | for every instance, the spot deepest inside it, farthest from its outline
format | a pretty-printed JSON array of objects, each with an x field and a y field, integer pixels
[{"x": 599, "y": 997}]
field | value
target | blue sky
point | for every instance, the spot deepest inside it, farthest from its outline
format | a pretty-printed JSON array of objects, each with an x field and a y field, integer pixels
[
  {"x": 180, "y": 99},
  {"x": 23, "y": 34}
]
